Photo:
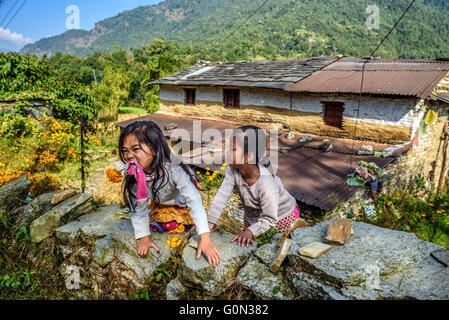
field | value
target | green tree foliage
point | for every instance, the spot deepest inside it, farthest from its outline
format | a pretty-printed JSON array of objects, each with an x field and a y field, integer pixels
[
  {"x": 280, "y": 29},
  {"x": 24, "y": 78},
  {"x": 112, "y": 92}
]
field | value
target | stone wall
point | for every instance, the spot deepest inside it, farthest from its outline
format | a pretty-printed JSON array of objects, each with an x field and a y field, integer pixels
[
  {"x": 380, "y": 119},
  {"x": 426, "y": 159}
]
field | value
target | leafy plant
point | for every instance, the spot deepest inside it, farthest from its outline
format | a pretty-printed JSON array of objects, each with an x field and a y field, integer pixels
[{"x": 266, "y": 237}]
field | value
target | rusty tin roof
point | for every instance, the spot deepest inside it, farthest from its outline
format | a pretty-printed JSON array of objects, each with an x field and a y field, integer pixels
[{"x": 385, "y": 76}]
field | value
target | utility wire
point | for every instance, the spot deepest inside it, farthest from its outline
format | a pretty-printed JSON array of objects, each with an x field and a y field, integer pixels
[
  {"x": 4, "y": 19},
  {"x": 397, "y": 22},
  {"x": 363, "y": 77},
  {"x": 15, "y": 14},
  {"x": 250, "y": 16}
]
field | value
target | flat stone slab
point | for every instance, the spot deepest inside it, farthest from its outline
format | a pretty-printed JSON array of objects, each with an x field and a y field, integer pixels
[
  {"x": 64, "y": 195},
  {"x": 98, "y": 223},
  {"x": 375, "y": 263},
  {"x": 66, "y": 211},
  {"x": 281, "y": 254},
  {"x": 198, "y": 273},
  {"x": 37, "y": 207},
  {"x": 314, "y": 249}
]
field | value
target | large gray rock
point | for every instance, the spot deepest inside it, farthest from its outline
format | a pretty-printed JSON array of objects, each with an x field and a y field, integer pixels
[
  {"x": 375, "y": 263},
  {"x": 124, "y": 245},
  {"x": 114, "y": 257},
  {"x": 97, "y": 224},
  {"x": 257, "y": 277},
  {"x": 64, "y": 212},
  {"x": 199, "y": 274},
  {"x": 37, "y": 207},
  {"x": 12, "y": 193}
]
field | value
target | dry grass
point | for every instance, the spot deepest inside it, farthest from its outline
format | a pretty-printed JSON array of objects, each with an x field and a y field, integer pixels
[{"x": 110, "y": 192}]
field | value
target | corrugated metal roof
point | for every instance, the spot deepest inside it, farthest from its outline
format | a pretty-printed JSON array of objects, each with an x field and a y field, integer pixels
[
  {"x": 308, "y": 173},
  {"x": 388, "y": 77},
  {"x": 263, "y": 74}
]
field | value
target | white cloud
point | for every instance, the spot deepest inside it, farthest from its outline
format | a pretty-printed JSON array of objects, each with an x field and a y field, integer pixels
[{"x": 14, "y": 38}]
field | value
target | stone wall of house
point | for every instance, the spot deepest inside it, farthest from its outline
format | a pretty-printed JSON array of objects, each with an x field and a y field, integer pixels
[
  {"x": 380, "y": 119},
  {"x": 426, "y": 159}
]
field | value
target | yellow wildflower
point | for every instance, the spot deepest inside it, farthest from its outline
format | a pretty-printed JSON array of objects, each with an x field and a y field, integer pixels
[{"x": 174, "y": 242}]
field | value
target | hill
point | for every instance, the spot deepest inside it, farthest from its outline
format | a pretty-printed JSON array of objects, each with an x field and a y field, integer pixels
[{"x": 282, "y": 28}]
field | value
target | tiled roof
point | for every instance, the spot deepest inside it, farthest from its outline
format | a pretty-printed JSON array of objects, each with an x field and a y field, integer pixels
[{"x": 261, "y": 74}]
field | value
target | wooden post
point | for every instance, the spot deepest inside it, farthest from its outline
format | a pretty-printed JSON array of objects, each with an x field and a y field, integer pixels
[
  {"x": 444, "y": 166},
  {"x": 83, "y": 181}
]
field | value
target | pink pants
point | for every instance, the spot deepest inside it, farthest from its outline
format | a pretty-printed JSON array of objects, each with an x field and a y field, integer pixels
[{"x": 283, "y": 224}]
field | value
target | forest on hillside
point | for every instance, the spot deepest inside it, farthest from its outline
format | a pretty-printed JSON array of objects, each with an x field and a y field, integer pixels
[{"x": 221, "y": 30}]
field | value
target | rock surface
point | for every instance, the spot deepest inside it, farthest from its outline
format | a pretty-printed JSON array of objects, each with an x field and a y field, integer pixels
[
  {"x": 36, "y": 208},
  {"x": 199, "y": 274},
  {"x": 64, "y": 195},
  {"x": 62, "y": 213},
  {"x": 257, "y": 277},
  {"x": 375, "y": 263},
  {"x": 12, "y": 193}
]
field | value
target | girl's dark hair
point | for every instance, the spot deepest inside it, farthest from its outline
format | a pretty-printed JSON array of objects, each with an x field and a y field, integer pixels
[
  {"x": 253, "y": 136},
  {"x": 149, "y": 134}
]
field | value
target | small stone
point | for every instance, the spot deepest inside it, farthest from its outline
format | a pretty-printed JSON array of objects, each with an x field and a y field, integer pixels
[
  {"x": 61, "y": 196},
  {"x": 339, "y": 231},
  {"x": 171, "y": 126},
  {"x": 290, "y": 135},
  {"x": 365, "y": 150},
  {"x": 441, "y": 256},
  {"x": 281, "y": 254},
  {"x": 314, "y": 249},
  {"x": 299, "y": 223},
  {"x": 285, "y": 150},
  {"x": 305, "y": 139},
  {"x": 326, "y": 146}
]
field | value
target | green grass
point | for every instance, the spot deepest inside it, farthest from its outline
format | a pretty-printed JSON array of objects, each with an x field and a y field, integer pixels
[{"x": 132, "y": 110}]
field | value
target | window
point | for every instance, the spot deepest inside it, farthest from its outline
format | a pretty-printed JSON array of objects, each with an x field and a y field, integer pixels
[
  {"x": 333, "y": 114},
  {"x": 189, "y": 96},
  {"x": 231, "y": 98}
]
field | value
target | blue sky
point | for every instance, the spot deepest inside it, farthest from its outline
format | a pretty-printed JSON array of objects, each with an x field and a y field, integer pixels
[{"x": 43, "y": 18}]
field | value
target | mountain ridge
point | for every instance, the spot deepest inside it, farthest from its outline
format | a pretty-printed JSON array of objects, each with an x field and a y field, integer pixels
[{"x": 289, "y": 28}]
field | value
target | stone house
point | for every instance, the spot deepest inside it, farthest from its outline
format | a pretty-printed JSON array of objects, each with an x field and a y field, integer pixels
[{"x": 402, "y": 106}]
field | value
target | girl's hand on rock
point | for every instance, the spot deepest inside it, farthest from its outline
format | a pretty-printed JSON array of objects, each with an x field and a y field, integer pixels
[
  {"x": 144, "y": 244},
  {"x": 210, "y": 251},
  {"x": 244, "y": 238}
]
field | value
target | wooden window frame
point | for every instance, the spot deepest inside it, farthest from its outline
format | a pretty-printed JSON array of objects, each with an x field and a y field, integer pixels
[
  {"x": 231, "y": 98},
  {"x": 333, "y": 113},
  {"x": 189, "y": 96}
]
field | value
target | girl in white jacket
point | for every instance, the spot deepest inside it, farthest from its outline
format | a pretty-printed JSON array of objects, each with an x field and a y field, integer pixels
[{"x": 153, "y": 171}]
